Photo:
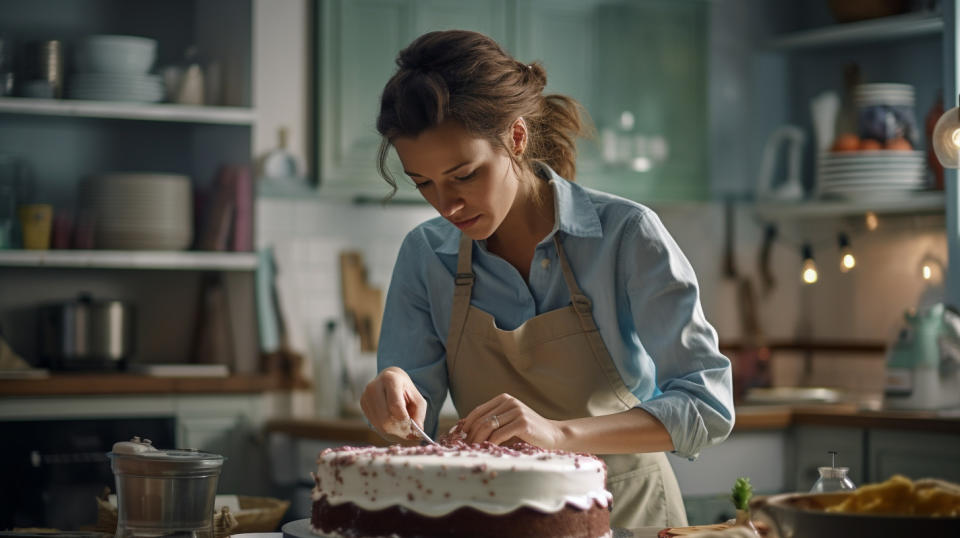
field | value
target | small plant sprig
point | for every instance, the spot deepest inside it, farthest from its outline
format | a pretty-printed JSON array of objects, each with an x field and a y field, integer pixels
[{"x": 741, "y": 493}]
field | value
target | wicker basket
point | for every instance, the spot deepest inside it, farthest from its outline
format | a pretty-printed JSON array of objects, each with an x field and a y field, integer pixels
[{"x": 257, "y": 514}]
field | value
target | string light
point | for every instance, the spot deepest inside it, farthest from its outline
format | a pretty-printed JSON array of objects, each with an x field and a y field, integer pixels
[
  {"x": 809, "y": 270},
  {"x": 847, "y": 261},
  {"x": 931, "y": 269}
]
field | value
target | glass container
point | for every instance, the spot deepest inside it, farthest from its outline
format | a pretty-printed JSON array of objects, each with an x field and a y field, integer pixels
[
  {"x": 832, "y": 478},
  {"x": 167, "y": 493}
]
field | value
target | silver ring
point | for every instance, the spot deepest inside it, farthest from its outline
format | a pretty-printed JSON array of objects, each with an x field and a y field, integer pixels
[{"x": 496, "y": 422}]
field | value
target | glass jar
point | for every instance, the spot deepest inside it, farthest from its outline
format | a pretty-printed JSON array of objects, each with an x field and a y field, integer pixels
[{"x": 832, "y": 479}]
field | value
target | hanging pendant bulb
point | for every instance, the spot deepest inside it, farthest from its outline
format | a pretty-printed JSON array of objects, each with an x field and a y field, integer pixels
[
  {"x": 871, "y": 221},
  {"x": 809, "y": 270},
  {"x": 847, "y": 261},
  {"x": 946, "y": 138}
]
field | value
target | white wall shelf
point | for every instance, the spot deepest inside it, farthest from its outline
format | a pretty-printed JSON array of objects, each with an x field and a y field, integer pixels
[
  {"x": 875, "y": 30},
  {"x": 129, "y": 111},
  {"x": 131, "y": 259},
  {"x": 920, "y": 202}
]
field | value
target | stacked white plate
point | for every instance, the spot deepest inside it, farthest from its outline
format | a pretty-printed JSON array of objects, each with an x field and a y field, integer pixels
[
  {"x": 141, "y": 211},
  {"x": 883, "y": 94},
  {"x": 856, "y": 174},
  {"x": 116, "y": 87},
  {"x": 116, "y": 68}
]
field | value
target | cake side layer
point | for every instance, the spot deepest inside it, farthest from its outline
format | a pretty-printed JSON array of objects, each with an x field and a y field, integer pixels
[
  {"x": 350, "y": 520},
  {"x": 435, "y": 481}
]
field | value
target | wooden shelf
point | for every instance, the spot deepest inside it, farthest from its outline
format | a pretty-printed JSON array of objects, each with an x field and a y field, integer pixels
[
  {"x": 165, "y": 112},
  {"x": 131, "y": 259},
  {"x": 88, "y": 384},
  {"x": 869, "y": 31},
  {"x": 912, "y": 203}
]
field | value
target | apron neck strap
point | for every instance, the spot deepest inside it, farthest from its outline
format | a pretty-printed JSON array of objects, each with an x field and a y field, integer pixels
[
  {"x": 464, "y": 277},
  {"x": 579, "y": 300}
]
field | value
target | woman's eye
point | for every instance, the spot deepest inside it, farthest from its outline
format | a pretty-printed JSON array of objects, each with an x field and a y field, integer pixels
[
  {"x": 421, "y": 185},
  {"x": 466, "y": 177}
]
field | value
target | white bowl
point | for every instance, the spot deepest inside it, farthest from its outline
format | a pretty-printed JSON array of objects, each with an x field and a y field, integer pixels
[{"x": 116, "y": 54}]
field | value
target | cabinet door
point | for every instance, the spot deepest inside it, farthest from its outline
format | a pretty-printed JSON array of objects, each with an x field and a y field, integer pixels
[
  {"x": 651, "y": 104},
  {"x": 359, "y": 42},
  {"x": 810, "y": 451},
  {"x": 913, "y": 454}
]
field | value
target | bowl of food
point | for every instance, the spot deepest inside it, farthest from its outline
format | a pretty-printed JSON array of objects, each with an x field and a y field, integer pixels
[{"x": 894, "y": 508}]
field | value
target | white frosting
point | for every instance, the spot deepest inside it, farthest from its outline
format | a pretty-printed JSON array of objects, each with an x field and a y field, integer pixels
[{"x": 435, "y": 481}]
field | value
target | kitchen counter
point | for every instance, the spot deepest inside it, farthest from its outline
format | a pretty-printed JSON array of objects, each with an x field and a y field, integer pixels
[
  {"x": 86, "y": 384},
  {"x": 749, "y": 418}
]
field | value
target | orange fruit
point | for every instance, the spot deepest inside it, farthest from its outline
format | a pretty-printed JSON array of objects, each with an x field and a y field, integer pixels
[
  {"x": 869, "y": 144},
  {"x": 846, "y": 142},
  {"x": 899, "y": 143}
]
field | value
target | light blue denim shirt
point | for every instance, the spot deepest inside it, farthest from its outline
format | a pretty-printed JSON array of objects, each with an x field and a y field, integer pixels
[{"x": 645, "y": 302}]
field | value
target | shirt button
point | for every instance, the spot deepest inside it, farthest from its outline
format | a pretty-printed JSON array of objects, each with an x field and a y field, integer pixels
[{"x": 545, "y": 263}]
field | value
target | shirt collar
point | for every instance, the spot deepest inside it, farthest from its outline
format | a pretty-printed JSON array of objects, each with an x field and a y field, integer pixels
[{"x": 574, "y": 213}]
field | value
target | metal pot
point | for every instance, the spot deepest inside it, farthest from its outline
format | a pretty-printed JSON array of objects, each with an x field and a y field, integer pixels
[{"x": 87, "y": 333}]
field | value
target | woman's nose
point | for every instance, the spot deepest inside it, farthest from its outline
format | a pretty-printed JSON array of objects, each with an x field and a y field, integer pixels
[{"x": 449, "y": 202}]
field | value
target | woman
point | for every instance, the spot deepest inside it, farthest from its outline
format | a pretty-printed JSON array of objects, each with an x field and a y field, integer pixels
[{"x": 552, "y": 313}]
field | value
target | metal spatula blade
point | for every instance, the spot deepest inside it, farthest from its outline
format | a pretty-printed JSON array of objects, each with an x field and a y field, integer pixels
[{"x": 423, "y": 435}]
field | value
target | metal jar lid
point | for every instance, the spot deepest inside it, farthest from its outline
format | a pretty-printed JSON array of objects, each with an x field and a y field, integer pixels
[{"x": 142, "y": 459}]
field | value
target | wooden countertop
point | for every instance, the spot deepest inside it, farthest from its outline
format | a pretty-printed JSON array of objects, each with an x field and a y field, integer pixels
[
  {"x": 749, "y": 418},
  {"x": 84, "y": 384}
]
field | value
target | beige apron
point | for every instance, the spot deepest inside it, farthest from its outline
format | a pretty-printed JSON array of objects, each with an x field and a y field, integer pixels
[{"x": 557, "y": 364}]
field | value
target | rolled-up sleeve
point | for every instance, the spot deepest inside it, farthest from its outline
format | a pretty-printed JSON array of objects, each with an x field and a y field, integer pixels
[
  {"x": 694, "y": 400},
  {"x": 408, "y": 335}
]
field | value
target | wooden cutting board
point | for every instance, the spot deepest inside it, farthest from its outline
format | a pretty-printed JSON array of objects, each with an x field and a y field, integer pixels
[{"x": 686, "y": 531}]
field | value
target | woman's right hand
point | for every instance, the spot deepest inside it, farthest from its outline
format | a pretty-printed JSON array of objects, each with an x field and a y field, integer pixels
[{"x": 390, "y": 400}]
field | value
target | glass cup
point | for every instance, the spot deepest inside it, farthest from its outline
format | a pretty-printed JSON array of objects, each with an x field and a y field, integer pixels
[{"x": 36, "y": 222}]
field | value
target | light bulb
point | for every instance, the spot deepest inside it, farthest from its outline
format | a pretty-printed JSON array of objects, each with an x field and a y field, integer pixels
[
  {"x": 808, "y": 272},
  {"x": 871, "y": 221},
  {"x": 931, "y": 269},
  {"x": 847, "y": 261},
  {"x": 946, "y": 138}
]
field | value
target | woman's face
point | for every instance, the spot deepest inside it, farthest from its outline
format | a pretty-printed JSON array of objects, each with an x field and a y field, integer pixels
[{"x": 467, "y": 179}]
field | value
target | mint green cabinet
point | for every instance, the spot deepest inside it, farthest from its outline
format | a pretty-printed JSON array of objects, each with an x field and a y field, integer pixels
[{"x": 638, "y": 67}]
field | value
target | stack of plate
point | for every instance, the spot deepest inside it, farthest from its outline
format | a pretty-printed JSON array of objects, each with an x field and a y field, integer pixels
[
  {"x": 141, "y": 211},
  {"x": 116, "y": 68},
  {"x": 883, "y": 94},
  {"x": 855, "y": 174},
  {"x": 116, "y": 87}
]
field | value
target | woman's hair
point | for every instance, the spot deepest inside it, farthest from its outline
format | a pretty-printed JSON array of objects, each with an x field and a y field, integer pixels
[{"x": 467, "y": 77}]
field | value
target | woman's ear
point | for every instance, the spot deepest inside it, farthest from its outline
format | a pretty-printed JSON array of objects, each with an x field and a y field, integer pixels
[{"x": 518, "y": 133}]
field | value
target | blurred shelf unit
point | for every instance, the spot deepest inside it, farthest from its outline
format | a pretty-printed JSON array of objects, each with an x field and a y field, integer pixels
[
  {"x": 913, "y": 203},
  {"x": 869, "y": 31},
  {"x": 129, "y": 111},
  {"x": 130, "y": 259}
]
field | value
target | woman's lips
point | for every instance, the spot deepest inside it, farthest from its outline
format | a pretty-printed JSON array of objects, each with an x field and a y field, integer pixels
[{"x": 464, "y": 224}]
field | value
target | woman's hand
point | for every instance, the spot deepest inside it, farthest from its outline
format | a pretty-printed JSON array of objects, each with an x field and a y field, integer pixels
[
  {"x": 505, "y": 417},
  {"x": 390, "y": 400}
]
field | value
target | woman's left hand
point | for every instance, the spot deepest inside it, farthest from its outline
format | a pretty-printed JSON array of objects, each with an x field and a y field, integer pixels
[{"x": 505, "y": 417}]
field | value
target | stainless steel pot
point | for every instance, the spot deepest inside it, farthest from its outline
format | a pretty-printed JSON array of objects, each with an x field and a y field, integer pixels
[{"x": 87, "y": 333}]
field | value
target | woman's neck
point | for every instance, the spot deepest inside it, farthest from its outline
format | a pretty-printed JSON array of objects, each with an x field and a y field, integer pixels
[{"x": 530, "y": 219}]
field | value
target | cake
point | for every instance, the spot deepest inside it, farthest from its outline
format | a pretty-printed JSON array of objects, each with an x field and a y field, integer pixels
[{"x": 458, "y": 489}]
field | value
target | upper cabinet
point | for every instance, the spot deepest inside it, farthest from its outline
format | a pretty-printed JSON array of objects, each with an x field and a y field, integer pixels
[{"x": 638, "y": 67}]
